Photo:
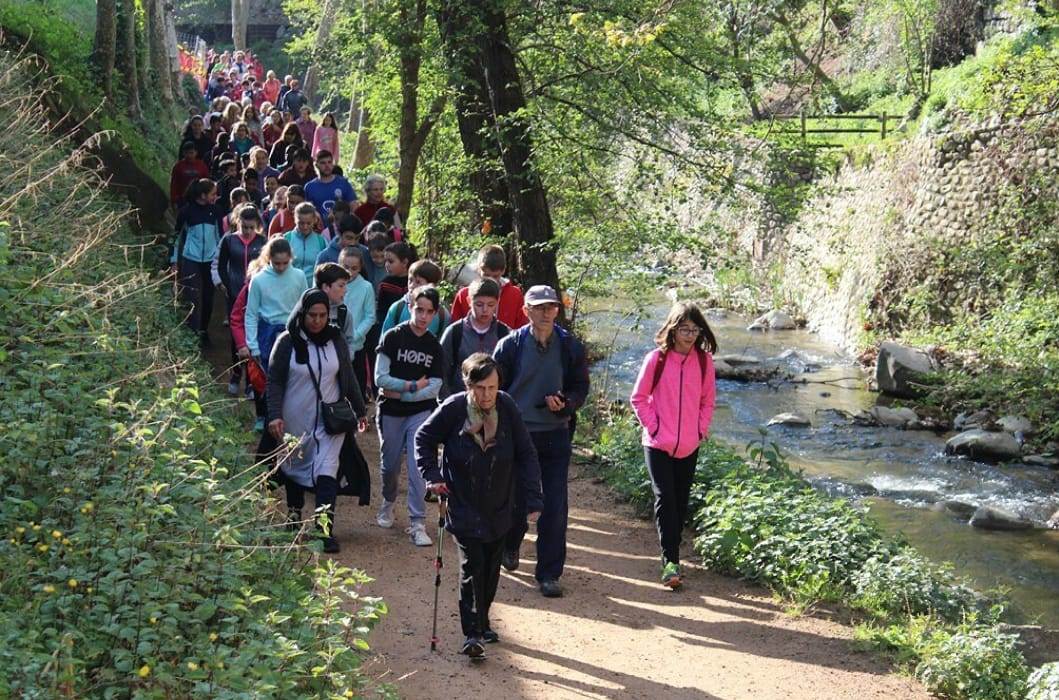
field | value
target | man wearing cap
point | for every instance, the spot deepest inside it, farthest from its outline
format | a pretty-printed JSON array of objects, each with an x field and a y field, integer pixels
[{"x": 543, "y": 367}]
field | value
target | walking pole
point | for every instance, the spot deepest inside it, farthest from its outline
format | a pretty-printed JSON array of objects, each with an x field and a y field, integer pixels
[{"x": 437, "y": 570}]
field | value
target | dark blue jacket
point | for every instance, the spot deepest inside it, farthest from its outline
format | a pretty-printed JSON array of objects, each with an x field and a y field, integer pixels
[
  {"x": 575, "y": 365},
  {"x": 482, "y": 485}
]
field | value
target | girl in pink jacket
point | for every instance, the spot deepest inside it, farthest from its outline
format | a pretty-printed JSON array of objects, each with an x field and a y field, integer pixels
[{"x": 673, "y": 400}]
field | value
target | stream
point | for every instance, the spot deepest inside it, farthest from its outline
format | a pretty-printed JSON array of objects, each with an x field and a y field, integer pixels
[{"x": 898, "y": 474}]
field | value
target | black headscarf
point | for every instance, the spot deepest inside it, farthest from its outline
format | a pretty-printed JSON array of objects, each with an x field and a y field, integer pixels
[{"x": 298, "y": 331}]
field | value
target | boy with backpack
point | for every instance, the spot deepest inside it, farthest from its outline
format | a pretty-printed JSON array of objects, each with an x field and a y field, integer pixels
[{"x": 478, "y": 331}]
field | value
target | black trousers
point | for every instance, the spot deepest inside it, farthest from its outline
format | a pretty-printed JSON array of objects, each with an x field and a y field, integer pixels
[
  {"x": 326, "y": 493},
  {"x": 360, "y": 372},
  {"x": 196, "y": 288},
  {"x": 479, "y": 577},
  {"x": 671, "y": 480}
]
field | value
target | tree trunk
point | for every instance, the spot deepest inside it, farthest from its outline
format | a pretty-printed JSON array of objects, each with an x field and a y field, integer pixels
[
  {"x": 323, "y": 35},
  {"x": 412, "y": 134},
  {"x": 144, "y": 57},
  {"x": 240, "y": 18},
  {"x": 364, "y": 154},
  {"x": 410, "y": 151},
  {"x": 159, "y": 55},
  {"x": 172, "y": 51},
  {"x": 475, "y": 32},
  {"x": 104, "y": 48},
  {"x": 128, "y": 63},
  {"x": 474, "y": 118}
]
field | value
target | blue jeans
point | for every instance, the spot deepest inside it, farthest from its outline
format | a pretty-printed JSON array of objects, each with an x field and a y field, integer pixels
[
  {"x": 553, "y": 453},
  {"x": 397, "y": 435}
]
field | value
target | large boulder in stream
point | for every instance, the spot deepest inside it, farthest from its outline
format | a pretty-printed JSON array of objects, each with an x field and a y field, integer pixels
[
  {"x": 900, "y": 368},
  {"x": 983, "y": 446},
  {"x": 986, "y": 518},
  {"x": 893, "y": 417},
  {"x": 773, "y": 321}
]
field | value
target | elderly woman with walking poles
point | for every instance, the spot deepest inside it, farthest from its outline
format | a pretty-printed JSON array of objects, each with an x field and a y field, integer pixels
[
  {"x": 673, "y": 399},
  {"x": 488, "y": 463}
]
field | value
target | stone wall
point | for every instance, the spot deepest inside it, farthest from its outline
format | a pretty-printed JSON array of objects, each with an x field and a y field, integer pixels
[{"x": 871, "y": 223}]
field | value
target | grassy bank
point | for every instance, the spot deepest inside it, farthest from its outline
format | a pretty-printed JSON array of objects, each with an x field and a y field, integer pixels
[
  {"x": 758, "y": 520},
  {"x": 138, "y": 551}
]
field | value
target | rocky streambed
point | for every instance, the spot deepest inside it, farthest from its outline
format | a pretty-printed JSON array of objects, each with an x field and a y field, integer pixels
[{"x": 960, "y": 489}]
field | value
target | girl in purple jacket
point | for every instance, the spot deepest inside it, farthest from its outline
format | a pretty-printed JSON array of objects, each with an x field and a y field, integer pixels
[{"x": 673, "y": 400}]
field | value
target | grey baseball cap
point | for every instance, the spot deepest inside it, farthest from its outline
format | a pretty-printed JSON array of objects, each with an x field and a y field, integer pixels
[{"x": 541, "y": 294}]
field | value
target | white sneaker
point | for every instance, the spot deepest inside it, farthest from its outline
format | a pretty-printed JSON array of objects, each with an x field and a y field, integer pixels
[
  {"x": 418, "y": 535},
  {"x": 385, "y": 516}
]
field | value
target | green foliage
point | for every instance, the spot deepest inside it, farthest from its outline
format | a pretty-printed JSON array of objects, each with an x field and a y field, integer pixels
[
  {"x": 140, "y": 551},
  {"x": 770, "y": 526},
  {"x": 757, "y": 519},
  {"x": 52, "y": 30},
  {"x": 1043, "y": 683},
  {"x": 973, "y": 663},
  {"x": 906, "y": 583}
]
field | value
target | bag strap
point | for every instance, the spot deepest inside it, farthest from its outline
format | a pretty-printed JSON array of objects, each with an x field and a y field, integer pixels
[{"x": 660, "y": 366}]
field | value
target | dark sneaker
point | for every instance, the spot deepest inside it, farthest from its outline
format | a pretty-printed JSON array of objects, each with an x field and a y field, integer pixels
[
  {"x": 490, "y": 637},
  {"x": 509, "y": 560},
  {"x": 331, "y": 545},
  {"x": 473, "y": 648},
  {"x": 294, "y": 519},
  {"x": 550, "y": 588}
]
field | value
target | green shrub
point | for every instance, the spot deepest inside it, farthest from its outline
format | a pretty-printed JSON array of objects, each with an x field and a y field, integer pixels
[
  {"x": 138, "y": 554},
  {"x": 975, "y": 663},
  {"x": 907, "y": 583},
  {"x": 772, "y": 527},
  {"x": 1044, "y": 683}
]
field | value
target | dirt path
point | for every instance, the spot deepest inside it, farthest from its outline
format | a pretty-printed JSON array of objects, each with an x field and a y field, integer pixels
[{"x": 615, "y": 634}]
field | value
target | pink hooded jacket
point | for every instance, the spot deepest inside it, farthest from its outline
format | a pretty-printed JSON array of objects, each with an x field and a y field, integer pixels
[{"x": 675, "y": 415}]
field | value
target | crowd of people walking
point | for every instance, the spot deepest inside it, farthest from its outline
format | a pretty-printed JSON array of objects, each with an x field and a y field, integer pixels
[{"x": 331, "y": 311}]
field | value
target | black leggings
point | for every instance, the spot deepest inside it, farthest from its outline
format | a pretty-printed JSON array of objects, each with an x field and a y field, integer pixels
[
  {"x": 671, "y": 480},
  {"x": 326, "y": 492}
]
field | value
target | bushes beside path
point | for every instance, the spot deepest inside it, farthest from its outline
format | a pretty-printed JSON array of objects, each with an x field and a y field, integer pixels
[
  {"x": 757, "y": 519},
  {"x": 137, "y": 556}
]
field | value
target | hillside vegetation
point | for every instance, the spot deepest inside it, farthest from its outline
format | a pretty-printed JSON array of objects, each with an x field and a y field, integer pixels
[{"x": 139, "y": 555}]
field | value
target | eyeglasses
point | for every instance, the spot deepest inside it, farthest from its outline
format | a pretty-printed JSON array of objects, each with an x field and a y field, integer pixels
[{"x": 683, "y": 330}]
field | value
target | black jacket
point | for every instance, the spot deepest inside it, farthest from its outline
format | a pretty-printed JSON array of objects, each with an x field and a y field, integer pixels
[
  {"x": 354, "y": 479},
  {"x": 482, "y": 485}
]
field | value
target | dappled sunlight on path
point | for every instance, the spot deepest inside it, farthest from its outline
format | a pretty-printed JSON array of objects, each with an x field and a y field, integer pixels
[{"x": 615, "y": 634}]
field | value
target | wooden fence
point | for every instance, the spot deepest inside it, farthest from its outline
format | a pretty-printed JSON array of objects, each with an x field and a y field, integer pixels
[{"x": 808, "y": 125}]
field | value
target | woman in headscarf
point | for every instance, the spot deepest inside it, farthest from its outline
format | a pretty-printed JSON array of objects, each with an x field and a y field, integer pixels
[
  {"x": 310, "y": 365},
  {"x": 488, "y": 458}
]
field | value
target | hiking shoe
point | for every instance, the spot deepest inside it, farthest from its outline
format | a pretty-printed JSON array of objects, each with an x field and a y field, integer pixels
[
  {"x": 671, "y": 576},
  {"x": 473, "y": 648},
  {"x": 418, "y": 534},
  {"x": 259, "y": 425},
  {"x": 550, "y": 588},
  {"x": 385, "y": 516},
  {"x": 331, "y": 545},
  {"x": 490, "y": 637},
  {"x": 233, "y": 387},
  {"x": 509, "y": 560}
]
